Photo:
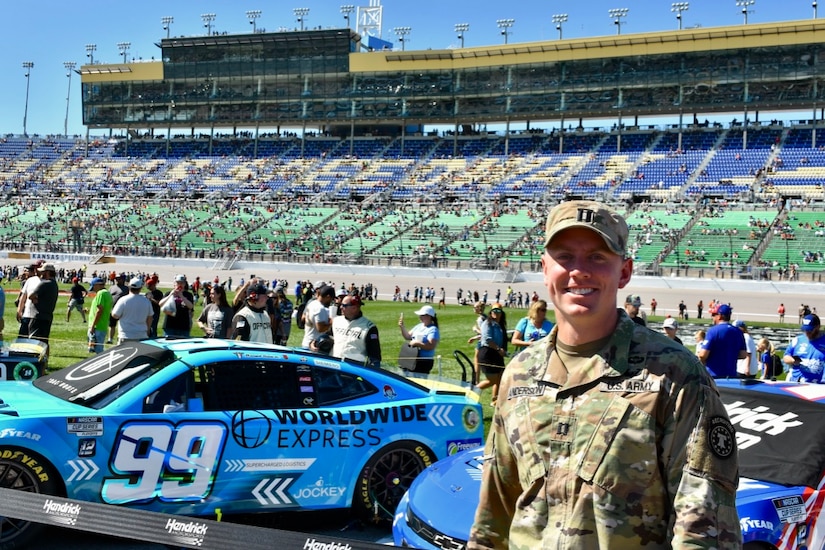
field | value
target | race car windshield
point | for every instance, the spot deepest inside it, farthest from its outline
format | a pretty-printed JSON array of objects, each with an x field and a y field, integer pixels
[{"x": 100, "y": 379}]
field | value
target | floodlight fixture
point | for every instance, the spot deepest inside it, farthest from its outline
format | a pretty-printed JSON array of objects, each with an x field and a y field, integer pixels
[
  {"x": 745, "y": 5},
  {"x": 346, "y": 11},
  {"x": 253, "y": 15},
  {"x": 462, "y": 28},
  {"x": 28, "y": 66},
  {"x": 90, "y": 53},
  {"x": 679, "y": 7},
  {"x": 505, "y": 25},
  {"x": 559, "y": 19},
  {"x": 167, "y": 21},
  {"x": 616, "y": 14},
  {"x": 402, "y": 33},
  {"x": 70, "y": 65},
  {"x": 301, "y": 15},
  {"x": 208, "y": 19},
  {"x": 123, "y": 47}
]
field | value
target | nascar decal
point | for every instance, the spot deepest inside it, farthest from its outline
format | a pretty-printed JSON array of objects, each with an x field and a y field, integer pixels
[
  {"x": 158, "y": 460},
  {"x": 11, "y": 432},
  {"x": 82, "y": 470},
  {"x": 274, "y": 491},
  {"x": 268, "y": 464},
  {"x": 320, "y": 490},
  {"x": 85, "y": 426},
  {"x": 335, "y": 428},
  {"x": 454, "y": 447}
]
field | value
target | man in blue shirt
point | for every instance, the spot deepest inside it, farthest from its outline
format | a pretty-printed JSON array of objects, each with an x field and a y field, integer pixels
[
  {"x": 724, "y": 344},
  {"x": 806, "y": 354}
]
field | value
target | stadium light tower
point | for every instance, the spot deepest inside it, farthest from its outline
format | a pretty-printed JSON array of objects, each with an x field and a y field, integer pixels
[
  {"x": 124, "y": 49},
  {"x": 208, "y": 19},
  {"x": 346, "y": 11},
  {"x": 505, "y": 25},
  {"x": 253, "y": 15},
  {"x": 559, "y": 19},
  {"x": 461, "y": 29},
  {"x": 679, "y": 7},
  {"x": 745, "y": 4},
  {"x": 28, "y": 65},
  {"x": 167, "y": 21},
  {"x": 301, "y": 15},
  {"x": 616, "y": 15},
  {"x": 814, "y": 6},
  {"x": 90, "y": 53},
  {"x": 70, "y": 65},
  {"x": 402, "y": 33}
]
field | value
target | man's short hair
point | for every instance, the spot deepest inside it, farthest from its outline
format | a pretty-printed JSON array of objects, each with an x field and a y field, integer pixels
[{"x": 326, "y": 290}]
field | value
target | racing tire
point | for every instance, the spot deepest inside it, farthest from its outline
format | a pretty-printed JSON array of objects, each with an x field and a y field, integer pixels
[
  {"x": 24, "y": 471},
  {"x": 387, "y": 476}
]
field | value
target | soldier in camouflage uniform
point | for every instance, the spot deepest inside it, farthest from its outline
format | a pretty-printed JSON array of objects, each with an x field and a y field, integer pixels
[{"x": 606, "y": 434}]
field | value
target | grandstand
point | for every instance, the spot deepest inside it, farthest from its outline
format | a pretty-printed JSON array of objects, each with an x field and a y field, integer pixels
[{"x": 368, "y": 176}]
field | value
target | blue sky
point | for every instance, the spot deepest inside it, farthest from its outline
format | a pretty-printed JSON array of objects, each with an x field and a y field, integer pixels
[{"x": 50, "y": 32}]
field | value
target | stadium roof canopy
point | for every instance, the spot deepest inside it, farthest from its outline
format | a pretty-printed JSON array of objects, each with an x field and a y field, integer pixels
[{"x": 320, "y": 78}]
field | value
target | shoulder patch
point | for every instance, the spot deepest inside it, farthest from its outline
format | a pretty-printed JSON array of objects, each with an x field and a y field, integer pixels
[{"x": 721, "y": 437}]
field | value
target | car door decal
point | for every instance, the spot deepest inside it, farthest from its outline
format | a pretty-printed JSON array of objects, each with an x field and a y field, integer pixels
[{"x": 173, "y": 463}]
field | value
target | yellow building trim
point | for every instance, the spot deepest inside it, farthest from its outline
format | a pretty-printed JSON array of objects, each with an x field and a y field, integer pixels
[
  {"x": 655, "y": 43},
  {"x": 121, "y": 72}
]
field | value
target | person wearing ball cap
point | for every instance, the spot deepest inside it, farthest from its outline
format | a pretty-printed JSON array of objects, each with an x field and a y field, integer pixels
[
  {"x": 252, "y": 323},
  {"x": 805, "y": 356},
  {"x": 601, "y": 436},
  {"x": 723, "y": 345},
  {"x": 133, "y": 313},
  {"x": 424, "y": 337},
  {"x": 355, "y": 337}
]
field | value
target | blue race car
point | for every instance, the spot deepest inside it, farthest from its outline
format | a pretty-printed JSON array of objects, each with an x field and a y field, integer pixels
[
  {"x": 781, "y": 438},
  {"x": 200, "y": 427}
]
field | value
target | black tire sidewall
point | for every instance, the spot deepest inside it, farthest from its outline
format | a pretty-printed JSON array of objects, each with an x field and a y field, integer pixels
[
  {"x": 46, "y": 482},
  {"x": 362, "y": 500}
]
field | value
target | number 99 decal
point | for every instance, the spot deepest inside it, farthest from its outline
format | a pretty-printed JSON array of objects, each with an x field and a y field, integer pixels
[{"x": 159, "y": 460}]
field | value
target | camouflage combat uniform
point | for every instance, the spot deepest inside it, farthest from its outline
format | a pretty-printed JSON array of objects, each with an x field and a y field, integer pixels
[{"x": 635, "y": 450}]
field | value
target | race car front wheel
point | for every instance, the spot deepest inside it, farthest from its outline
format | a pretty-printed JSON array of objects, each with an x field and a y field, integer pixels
[
  {"x": 387, "y": 476},
  {"x": 23, "y": 471}
]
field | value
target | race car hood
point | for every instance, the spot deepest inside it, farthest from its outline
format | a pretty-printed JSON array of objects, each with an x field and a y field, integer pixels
[
  {"x": 450, "y": 491},
  {"x": 21, "y": 399},
  {"x": 446, "y": 385}
]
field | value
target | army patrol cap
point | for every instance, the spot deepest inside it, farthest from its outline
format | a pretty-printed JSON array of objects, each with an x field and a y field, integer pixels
[{"x": 592, "y": 215}]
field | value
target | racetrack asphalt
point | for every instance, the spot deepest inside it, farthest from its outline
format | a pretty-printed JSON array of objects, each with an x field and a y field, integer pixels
[{"x": 753, "y": 306}]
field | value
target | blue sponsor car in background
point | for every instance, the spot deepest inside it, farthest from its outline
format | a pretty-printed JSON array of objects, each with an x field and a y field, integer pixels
[
  {"x": 781, "y": 436},
  {"x": 195, "y": 426}
]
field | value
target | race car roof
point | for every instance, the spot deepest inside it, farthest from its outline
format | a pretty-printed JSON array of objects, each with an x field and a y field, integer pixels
[
  {"x": 76, "y": 382},
  {"x": 779, "y": 431}
]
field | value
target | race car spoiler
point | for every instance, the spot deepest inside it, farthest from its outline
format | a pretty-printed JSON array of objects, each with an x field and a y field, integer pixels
[{"x": 170, "y": 530}]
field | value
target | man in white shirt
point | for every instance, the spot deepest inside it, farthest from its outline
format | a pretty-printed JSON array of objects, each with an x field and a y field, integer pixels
[
  {"x": 316, "y": 313},
  {"x": 134, "y": 314},
  {"x": 749, "y": 366},
  {"x": 26, "y": 310}
]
